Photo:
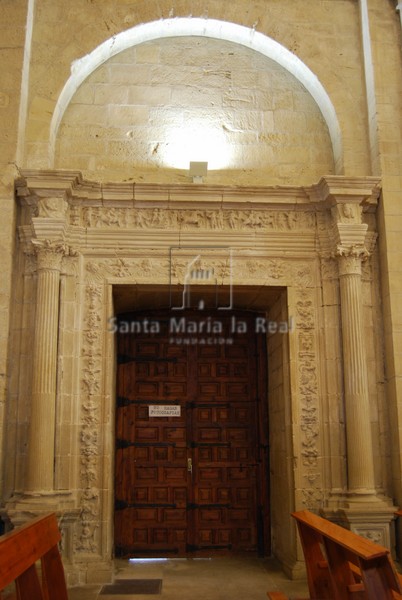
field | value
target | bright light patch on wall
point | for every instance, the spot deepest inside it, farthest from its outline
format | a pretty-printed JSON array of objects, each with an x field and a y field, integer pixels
[
  {"x": 197, "y": 142},
  {"x": 189, "y": 26}
]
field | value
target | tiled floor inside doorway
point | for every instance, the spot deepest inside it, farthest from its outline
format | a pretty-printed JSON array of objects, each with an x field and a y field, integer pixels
[{"x": 234, "y": 578}]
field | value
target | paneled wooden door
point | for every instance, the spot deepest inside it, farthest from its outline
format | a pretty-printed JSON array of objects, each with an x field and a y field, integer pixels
[{"x": 191, "y": 480}]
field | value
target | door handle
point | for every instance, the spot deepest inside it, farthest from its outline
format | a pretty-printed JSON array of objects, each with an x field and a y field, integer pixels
[{"x": 190, "y": 465}]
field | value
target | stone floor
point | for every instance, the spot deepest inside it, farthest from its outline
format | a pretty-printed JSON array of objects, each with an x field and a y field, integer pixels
[{"x": 198, "y": 579}]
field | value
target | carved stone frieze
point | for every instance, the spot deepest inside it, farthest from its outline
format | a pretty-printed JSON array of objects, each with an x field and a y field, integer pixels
[
  {"x": 216, "y": 269},
  {"x": 134, "y": 268},
  {"x": 272, "y": 268},
  {"x": 161, "y": 218},
  {"x": 275, "y": 271}
]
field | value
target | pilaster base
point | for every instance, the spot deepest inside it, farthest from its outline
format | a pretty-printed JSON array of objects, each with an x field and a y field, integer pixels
[
  {"x": 26, "y": 506},
  {"x": 78, "y": 570},
  {"x": 294, "y": 570},
  {"x": 370, "y": 516}
]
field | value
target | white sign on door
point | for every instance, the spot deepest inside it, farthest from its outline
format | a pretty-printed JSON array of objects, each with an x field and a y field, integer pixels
[{"x": 164, "y": 411}]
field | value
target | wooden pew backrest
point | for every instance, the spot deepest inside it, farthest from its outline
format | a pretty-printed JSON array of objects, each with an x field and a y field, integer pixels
[
  {"x": 341, "y": 564},
  {"x": 22, "y": 548}
]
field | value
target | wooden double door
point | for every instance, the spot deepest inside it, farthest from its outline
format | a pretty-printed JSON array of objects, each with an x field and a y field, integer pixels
[{"x": 191, "y": 467}]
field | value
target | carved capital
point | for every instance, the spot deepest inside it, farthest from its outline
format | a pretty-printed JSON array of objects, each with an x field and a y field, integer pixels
[
  {"x": 350, "y": 264},
  {"x": 344, "y": 231},
  {"x": 348, "y": 231},
  {"x": 50, "y": 219},
  {"x": 49, "y": 255}
]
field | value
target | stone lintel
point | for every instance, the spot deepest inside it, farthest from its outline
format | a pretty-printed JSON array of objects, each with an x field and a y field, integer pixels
[{"x": 298, "y": 243}]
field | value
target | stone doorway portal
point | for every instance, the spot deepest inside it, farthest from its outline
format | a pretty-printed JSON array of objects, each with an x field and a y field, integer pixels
[{"x": 88, "y": 252}]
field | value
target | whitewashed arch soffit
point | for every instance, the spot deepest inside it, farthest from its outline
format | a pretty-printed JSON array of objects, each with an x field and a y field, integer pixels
[{"x": 188, "y": 26}]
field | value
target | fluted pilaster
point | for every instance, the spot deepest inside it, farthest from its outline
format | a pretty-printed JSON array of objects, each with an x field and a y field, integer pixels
[
  {"x": 357, "y": 403},
  {"x": 349, "y": 240},
  {"x": 40, "y": 464}
]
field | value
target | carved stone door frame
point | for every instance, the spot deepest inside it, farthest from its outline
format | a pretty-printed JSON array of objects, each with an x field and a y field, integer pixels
[{"x": 111, "y": 237}]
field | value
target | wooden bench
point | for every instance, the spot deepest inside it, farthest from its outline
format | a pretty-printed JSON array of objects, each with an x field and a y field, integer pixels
[
  {"x": 342, "y": 565},
  {"x": 21, "y": 549}
]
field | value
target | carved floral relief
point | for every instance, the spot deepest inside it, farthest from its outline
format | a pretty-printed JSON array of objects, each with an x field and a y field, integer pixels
[
  {"x": 312, "y": 493},
  {"x": 85, "y": 539}
]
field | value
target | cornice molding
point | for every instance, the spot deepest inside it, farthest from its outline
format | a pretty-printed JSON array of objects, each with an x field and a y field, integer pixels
[
  {"x": 348, "y": 190},
  {"x": 72, "y": 186}
]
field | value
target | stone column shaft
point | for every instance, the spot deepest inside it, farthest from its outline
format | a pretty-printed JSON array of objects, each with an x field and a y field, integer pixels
[
  {"x": 41, "y": 451},
  {"x": 357, "y": 402}
]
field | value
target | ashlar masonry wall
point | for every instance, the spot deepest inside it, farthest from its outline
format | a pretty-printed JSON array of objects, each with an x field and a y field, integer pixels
[
  {"x": 80, "y": 236},
  {"x": 142, "y": 117}
]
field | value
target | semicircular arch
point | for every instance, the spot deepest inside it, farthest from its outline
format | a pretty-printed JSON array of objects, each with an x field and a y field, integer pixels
[{"x": 189, "y": 26}]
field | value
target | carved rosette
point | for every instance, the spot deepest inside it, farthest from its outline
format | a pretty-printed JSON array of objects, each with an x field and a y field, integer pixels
[
  {"x": 312, "y": 494},
  {"x": 85, "y": 539}
]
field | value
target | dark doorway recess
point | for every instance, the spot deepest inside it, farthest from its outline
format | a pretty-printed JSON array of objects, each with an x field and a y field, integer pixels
[{"x": 191, "y": 469}]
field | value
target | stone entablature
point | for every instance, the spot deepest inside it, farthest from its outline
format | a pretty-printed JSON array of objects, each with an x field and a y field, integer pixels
[{"x": 80, "y": 239}]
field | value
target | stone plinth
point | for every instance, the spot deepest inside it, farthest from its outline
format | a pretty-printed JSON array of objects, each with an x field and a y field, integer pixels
[{"x": 371, "y": 518}]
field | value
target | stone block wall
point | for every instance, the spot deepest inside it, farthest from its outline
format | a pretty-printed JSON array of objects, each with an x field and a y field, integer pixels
[
  {"x": 325, "y": 36},
  {"x": 148, "y": 111},
  {"x": 11, "y": 57},
  {"x": 386, "y": 39}
]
